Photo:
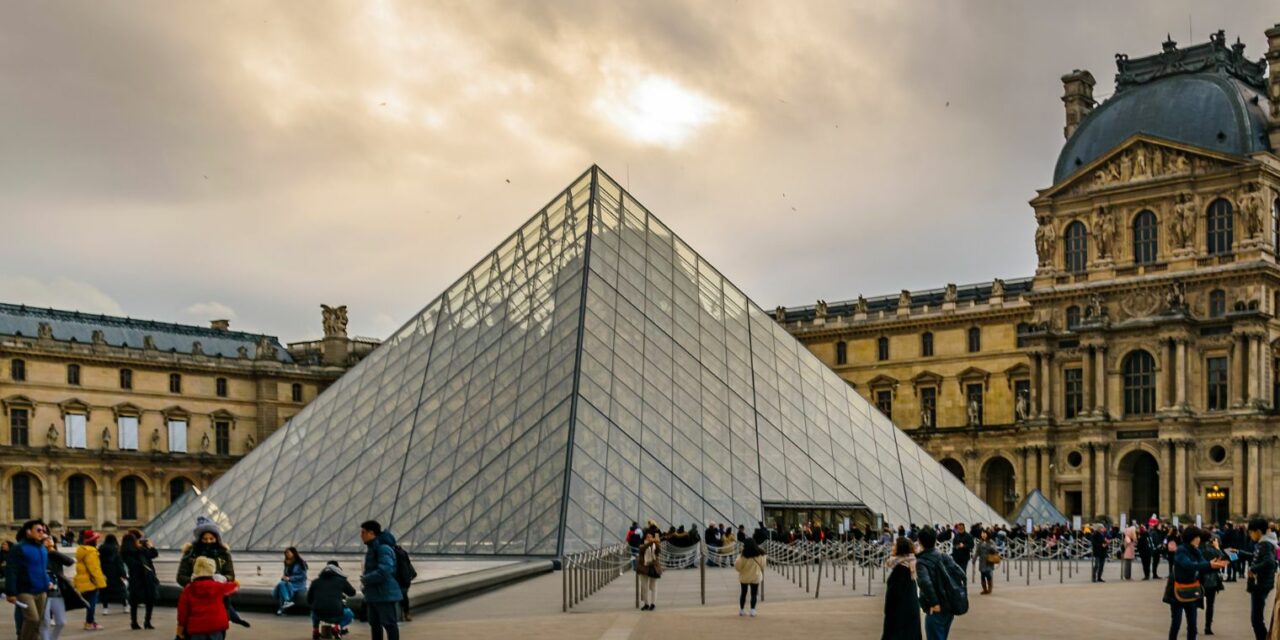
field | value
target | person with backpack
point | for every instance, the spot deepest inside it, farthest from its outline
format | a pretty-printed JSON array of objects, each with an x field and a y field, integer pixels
[
  {"x": 943, "y": 594},
  {"x": 1260, "y": 576},
  {"x": 1184, "y": 590},
  {"x": 381, "y": 588},
  {"x": 750, "y": 566},
  {"x": 326, "y": 597},
  {"x": 405, "y": 575},
  {"x": 901, "y": 599},
  {"x": 649, "y": 566}
]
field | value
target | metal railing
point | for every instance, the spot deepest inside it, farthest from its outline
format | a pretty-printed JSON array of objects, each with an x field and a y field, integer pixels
[{"x": 587, "y": 572}]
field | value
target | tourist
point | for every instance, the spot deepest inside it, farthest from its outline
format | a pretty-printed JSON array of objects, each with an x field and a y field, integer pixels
[
  {"x": 988, "y": 558},
  {"x": 89, "y": 580},
  {"x": 961, "y": 547},
  {"x": 1184, "y": 589},
  {"x": 381, "y": 591},
  {"x": 144, "y": 585},
  {"x": 1211, "y": 549},
  {"x": 1260, "y": 576},
  {"x": 901, "y": 601},
  {"x": 1145, "y": 551},
  {"x": 207, "y": 543},
  {"x": 26, "y": 579},
  {"x": 62, "y": 596},
  {"x": 293, "y": 583},
  {"x": 750, "y": 565},
  {"x": 202, "y": 612},
  {"x": 1130, "y": 550},
  {"x": 649, "y": 567},
  {"x": 114, "y": 570},
  {"x": 326, "y": 597},
  {"x": 1098, "y": 545},
  {"x": 942, "y": 587}
]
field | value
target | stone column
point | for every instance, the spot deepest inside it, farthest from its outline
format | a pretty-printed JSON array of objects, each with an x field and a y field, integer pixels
[
  {"x": 1252, "y": 505},
  {"x": 1087, "y": 491},
  {"x": 1180, "y": 477},
  {"x": 1100, "y": 370},
  {"x": 1049, "y": 385},
  {"x": 1238, "y": 453},
  {"x": 1037, "y": 407},
  {"x": 1164, "y": 376},
  {"x": 1100, "y": 479},
  {"x": 1255, "y": 352},
  {"x": 1240, "y": 368},
  {"x": 102, "y": 506},
  {"x": 1181, "y": 358},
  {"x": 1046, "y": 474},
  {"x": 1024, "y": 472},
  {"x": 1166, "y": 477},
  {"x": 1086, "y": 382}
]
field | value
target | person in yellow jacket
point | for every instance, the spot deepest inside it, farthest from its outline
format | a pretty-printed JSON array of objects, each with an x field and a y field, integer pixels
[
  {"x": 750, "y": 566},
  {"x": 89, "y": 578}
]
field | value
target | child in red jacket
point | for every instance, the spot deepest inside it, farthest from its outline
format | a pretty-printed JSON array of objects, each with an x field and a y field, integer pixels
[{"x": 201, "y": 612}]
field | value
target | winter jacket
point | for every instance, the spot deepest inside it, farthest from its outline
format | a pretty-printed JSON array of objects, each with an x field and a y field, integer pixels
[
  {"x": 985, "y": 548},
  {"x": 1098, "y": 544},
  {"x": 89, "y": 575},
  {"x": 1189, "y": 564},
  {"x": 642, "y": 566},
  {"x": 1212, "y": 579},
  {"x": 200, "y": 607},
  {"x": 941, "y": 581},
  {"x": 326, "y": 593},
  {"x": 62, "y": 587},
  {"x": 217, "y": 551},
  {"x": 901, "y": 606},
  {"x": 297, "y": 575},
  {"x": 144, "y": 585},
  {"x": 1130, "y": 542},
  {"x": 962, "y": 547},
  {"x": 114, "y": 570},
  {"x": 750, "y": 570},
  {"x": 379, "y": 579},
  {"x": 1263, "y": 563},
  {"x": 27, "y": 570}
]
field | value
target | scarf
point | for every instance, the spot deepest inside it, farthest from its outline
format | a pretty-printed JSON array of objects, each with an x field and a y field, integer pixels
[{"x": 908, "y": 560}]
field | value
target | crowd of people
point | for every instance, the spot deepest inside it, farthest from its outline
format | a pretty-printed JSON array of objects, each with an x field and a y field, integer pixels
[{"x": 107, "y": 571}]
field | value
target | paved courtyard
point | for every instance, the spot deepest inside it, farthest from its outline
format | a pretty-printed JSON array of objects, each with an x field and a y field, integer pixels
[{"x": 531, "y": 610}]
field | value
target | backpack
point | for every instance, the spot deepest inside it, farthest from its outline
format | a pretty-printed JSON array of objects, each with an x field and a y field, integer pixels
[
  {"x": 957, "y": 600},
  {"x": 405, "y": 573}
]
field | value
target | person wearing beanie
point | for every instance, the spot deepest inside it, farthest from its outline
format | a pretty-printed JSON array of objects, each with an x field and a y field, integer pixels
[
  {"x": 207, "y": 543},
  {"x": 202, "y": 612},
  {"x": 89, "y": 579},
  {"x": 326, "y": 599}
]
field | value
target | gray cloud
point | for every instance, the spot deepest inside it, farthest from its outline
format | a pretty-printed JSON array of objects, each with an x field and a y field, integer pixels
[{"x": 272, "y": 158}]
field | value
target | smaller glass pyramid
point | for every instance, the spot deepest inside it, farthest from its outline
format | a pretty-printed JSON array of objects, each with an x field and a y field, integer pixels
[{"x": 1039, "y": 510}]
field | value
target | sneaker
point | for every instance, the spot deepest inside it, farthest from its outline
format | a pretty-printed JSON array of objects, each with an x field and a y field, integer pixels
[
  {"x": 286, "y": 605},
  {"x": 742, "y": 612},
  {"x": 753, "y": 613},
  {"x": 279, "y": 612},
  {"x": 92, "y": 626}
]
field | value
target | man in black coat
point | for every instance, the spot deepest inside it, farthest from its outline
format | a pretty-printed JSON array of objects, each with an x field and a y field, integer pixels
[
  {"x": 1098, "y": 542},
  {"x": 961, "y": 547},
  {"x": 942, "y": 587},
  {"x": 326, "y": 599},
  {"x": 1144, "y": 552},
  {"x": 761, "y": 534}
]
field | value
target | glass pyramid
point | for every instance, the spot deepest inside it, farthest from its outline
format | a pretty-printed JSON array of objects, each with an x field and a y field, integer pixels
[
  {"x": 591, "y": 371},
  {"x": 1040, "y": 510}
]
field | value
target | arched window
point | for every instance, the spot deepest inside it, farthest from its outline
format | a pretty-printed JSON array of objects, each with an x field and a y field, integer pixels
[
  {"x": 177, "y": 487},
  {"x": 975, "y": 339},
  {"x": 1073, "y": 317},
  {"x": 1217, "y": 303},
  {"x": 1139, "y": 384},
  {"x": 1145, "y": 238},
  {"x": 926, "y": 344},
  {"x": 1219, "y": 226},
  {"x": 842, "y": 352},
  {"x": 76, "y": 497},
  {"x": 1077, "y": 252},
  {"x": 882, "y": 348},
  {"x": 21, "y": 486},
  {"x": 129, "y": 498}
]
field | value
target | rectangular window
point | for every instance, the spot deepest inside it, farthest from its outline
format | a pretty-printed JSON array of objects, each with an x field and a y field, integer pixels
[
  {"x": 929, "y": 407},
  {"x": 973, "y": 403},
  {"x": 296, "y": 391},
  {"x": 1073, "y": 385},
  {"x": 126, "y": 378},
  {"x": 178, "y": 436},
  {"x": 1022, "y": 389},
  {"x": 1217, "y": 387},
  {"x": 882, "y": 349},
  {"x": 73, "y": 374},
  {"x": 175, "y": 383},
  {"x": 22, "y": 497},
  {"x": 19, "y": 427},
  {"x": 884, "y": 402},
  {"x": 221, "y": 387},
  {"x": 222, "y": 438},
  {"x": 128, "y": 499},
  {"x": 75, "y": 498},
  {"x": 74, "y": 424},
  {"x": 128, "y": 429},
  {"x": 975, "y": 340},
  {"x": 18, "y": 370}
]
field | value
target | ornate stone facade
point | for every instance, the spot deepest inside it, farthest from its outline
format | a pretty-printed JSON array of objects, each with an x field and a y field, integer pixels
[
  {"x": 1136, "y": 371},
  {"x": 107, "y": 420}
]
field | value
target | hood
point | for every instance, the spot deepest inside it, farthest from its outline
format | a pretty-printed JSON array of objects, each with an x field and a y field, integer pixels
[
  {"x": 1270, "y": 536},
  {"x": 384, "y": 538},
  {"x": 332, "y": 571},
  {"x": 84, "y": 551}
]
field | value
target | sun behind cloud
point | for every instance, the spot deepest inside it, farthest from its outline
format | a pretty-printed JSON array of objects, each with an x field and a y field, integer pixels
[{"x": 653, "y": 109}]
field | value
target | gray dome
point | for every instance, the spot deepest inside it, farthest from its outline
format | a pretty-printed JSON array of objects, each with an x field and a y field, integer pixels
[{"x": 1207, "y": 110}]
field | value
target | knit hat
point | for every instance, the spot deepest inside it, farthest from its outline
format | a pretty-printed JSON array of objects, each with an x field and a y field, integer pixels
[
  {"x": 204, "y": 568},
  {"x": 90, "y": 537},
  {"x": 205, "y": 525}
]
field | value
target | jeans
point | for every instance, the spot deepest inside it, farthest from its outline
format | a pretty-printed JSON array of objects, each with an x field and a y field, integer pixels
[
  {"x": 383, "y": 615},
  {"x": 1146, "y": 567},
  {"x": 937, "y": 626},
  {"x": 1099, "y": 564},
  {"x": 55, "y": 618},
  {"x": 742, "y": 599},
  {"x": 91, "y": 599},
  {"x": 1258, "y": 612},
  {"x": 1177, "y": 610},
  {"x": 345, "y": 621},
  {"x": 1210, "y": 596},
  {"x": 284, "y": 593},
  {"x": 31, "y": 615}
]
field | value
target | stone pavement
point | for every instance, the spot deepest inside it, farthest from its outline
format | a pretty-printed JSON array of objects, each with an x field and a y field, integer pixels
[{"x": 531, "y": 611}]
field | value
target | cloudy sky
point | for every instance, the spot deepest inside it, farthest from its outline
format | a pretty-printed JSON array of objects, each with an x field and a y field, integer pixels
[{"x": 185, "y": 161}]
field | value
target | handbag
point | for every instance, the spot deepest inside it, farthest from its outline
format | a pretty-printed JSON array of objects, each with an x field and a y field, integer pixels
[
  {"x": 993, "y": 558},
  {"x": 1187, "y": 592}
]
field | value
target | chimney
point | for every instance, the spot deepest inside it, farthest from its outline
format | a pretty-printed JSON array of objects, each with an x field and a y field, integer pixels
[
  {"x": 220, "y": 325},
  {"x": 1077, "y": 96},
  {"x": 1273, "y": 87}
]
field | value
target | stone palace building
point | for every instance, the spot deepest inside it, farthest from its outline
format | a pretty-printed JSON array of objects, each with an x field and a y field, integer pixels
[
  {"x": 1135, "y": 372},
  {"x": 107, "y": 420}
]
